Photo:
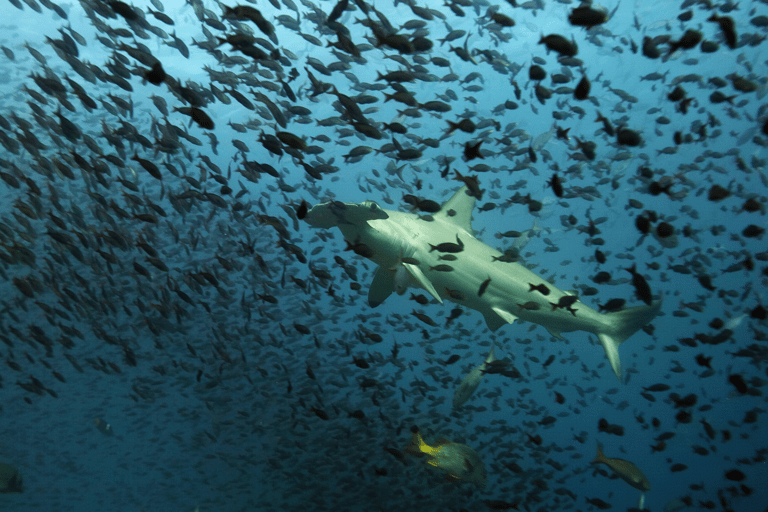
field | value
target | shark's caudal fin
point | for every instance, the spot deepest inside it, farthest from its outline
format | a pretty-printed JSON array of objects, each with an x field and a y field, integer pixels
[{"x": 620, "y": 326}]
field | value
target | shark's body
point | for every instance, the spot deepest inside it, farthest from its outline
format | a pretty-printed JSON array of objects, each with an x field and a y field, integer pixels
[{"x": 402, "y": 244}]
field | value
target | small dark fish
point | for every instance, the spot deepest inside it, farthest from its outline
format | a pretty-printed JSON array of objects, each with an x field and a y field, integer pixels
[
  {"x": 728, "y": 26},
  {"x": 320, "y": 413},
  {"x": 500, "y": 505},
  {"x": 642, "y": 289},
  {"x": 602, "y": 277},
  {"x": 359, "y": 249},
  {"x": 556, "y": 184},
  {"x": 597, "y": 502},
  {"x": 156, "y": 75},
  {"x": 738, "y": 382},
  {"x": 472, "y": 151},
  {"x": 627, "y": 137},
  {"x": 541, "y": 288},
  {"x": 301, "y": 211},
  {"x": 587, "y": 17},
  {"x": 559, "y": 44},
  {"x": 531, "y": 305},
  {"x": 483, "y": 287},
  {"x": 599, "y": 256},
  {"x": 581, "y": 92},
  {"x": 448, "y": 246},
  {"x": 604, "y": 426},
  {"x": 451, "y": 360}
]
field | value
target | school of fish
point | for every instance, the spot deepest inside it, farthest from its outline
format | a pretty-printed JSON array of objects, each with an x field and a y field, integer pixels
[{"x": 206, "y": 206}]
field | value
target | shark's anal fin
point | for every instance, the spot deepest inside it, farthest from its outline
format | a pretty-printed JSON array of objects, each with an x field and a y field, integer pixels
[
  {"x": 419, "y": 276},
  {"x": 382, "y": 287}
]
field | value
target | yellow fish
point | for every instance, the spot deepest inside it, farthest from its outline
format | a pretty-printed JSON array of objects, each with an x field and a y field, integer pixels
[
  {"x": 625, "y": 469},
  {"x": 458, "y": 460}
]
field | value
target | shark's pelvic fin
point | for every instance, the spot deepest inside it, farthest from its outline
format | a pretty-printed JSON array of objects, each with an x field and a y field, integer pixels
[
  {"x": 622, "y": 325},
  {"x": 419, "y": 276},
  {"x": 505, "y": 315},
  {"x": 497, "y": 317},
  {"x": 458, "y": 210}
]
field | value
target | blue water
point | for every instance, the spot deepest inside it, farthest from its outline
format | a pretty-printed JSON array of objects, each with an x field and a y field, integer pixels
[{"x": 218, "y": 410}]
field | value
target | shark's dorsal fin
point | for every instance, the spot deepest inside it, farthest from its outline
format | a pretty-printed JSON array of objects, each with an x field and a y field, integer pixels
[{"x": 458, "y": 210}]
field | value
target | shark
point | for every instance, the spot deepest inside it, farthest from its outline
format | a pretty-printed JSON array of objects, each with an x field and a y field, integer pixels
[{"x": 410, "y": 251}]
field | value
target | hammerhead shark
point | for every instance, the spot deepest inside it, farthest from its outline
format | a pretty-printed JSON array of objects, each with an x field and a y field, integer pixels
[{"x": 407, "y": 248}]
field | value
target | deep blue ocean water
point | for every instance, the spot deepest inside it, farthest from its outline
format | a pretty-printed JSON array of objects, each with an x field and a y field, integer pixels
[{"x": 219, "y": 399}]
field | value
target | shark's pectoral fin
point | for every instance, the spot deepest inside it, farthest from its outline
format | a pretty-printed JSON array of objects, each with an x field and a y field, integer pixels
[
  {"x": 419, "y": 276},
  {"x": 497, "y": 317},
  {"x": 382, "y": 287}
]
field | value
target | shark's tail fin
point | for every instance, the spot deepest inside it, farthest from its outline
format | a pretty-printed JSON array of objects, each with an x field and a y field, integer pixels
[{"x": 620, "y": 326}]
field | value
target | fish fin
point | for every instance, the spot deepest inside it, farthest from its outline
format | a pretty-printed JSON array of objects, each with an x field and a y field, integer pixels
[
  {"x": 556, "y": 334},
  {"x": 620, "y": 326},
  {"x": 419, "y": 276},
  {"x": 493, "y": 320},
  {"x": 491, "y": 357},
  {"x": 458, "y": 210},
  {"x": 382, "y": 287},
  {"x": 421, "y": 445},
  {"x": 600, "y": 457},
  {"x": 504, "y": 314}
]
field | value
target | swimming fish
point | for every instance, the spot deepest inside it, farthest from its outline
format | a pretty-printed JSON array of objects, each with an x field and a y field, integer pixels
[{"x": 458, "y": 460}]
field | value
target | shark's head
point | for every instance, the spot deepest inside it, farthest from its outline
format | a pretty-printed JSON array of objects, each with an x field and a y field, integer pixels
[{"x": 335, "y": 213}]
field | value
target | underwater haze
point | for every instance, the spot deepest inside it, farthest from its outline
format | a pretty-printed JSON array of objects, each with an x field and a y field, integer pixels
[{"x": 383, "y": 256}]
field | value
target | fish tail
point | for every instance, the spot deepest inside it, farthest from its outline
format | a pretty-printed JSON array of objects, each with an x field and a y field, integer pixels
[
  {"x": 600, "y": 457},
  {"x": 619, "y": 326},
  {"x": 418, "y": 441},
  {"x": 491, "y": 357}
]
